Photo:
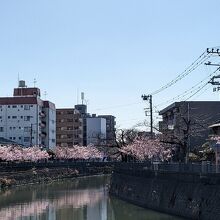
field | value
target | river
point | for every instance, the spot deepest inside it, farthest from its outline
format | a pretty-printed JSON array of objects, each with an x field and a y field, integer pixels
[{"x": 79, "y": 199}]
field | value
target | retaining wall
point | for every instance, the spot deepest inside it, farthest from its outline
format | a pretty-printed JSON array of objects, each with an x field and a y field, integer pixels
[{"x": 192, "y": 196}]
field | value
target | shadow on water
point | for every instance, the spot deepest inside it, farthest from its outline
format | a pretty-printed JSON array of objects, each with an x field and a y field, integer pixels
[
  {"x": 78, "y": 199},
  {"x": 120, "y": 210}
]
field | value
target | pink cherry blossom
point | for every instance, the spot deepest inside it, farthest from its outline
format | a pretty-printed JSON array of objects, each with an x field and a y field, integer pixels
[{"x": 143, "y": 148}]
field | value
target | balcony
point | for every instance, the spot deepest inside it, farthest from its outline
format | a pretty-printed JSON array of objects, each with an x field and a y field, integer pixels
[
  {"x": 42, "y": 114},
  {"x": 43, "y": 134},
  {"x": 163, "y": 126}
]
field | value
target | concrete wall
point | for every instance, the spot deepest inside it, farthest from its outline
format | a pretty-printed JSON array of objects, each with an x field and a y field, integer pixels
[{"x": 187, "y": 195}]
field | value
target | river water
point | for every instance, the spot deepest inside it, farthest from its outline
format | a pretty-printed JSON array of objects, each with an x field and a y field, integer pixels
[{"x": 78, "y": 199}]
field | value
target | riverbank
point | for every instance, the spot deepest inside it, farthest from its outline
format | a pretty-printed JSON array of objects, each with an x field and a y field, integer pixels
[
  {"x": 44, "y": 175},
  {"x": 192, "y": 196}
]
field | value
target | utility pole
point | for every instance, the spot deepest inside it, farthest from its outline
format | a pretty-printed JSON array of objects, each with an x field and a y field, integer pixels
[
  {"x": 215, "y": 79},
  {"x": 31, "y": 134},
  {"x": 149, "y": 98},
  {"x": 188, "y": 134},
  {"x": 213, "y": 51}
]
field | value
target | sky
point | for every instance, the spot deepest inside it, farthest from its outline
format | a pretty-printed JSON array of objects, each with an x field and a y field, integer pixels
[{"x": 112, "y": 50}]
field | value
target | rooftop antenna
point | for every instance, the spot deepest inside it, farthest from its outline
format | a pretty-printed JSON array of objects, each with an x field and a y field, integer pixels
[
  {"x": 82, "y": 97},
  {"x": 45, "y": 95},
  {"x": 77, "y": 96},
  {"x": 18, "y": 79},
  {"x": 35, "y": 81}
]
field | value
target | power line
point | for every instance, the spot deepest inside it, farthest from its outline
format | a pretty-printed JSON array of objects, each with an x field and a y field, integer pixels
[
  {"x": 203, "y": 86},
  {"x": 203, "y": 91},
  {"x": 188, "y": 91},
  {"x": 199, "y": 89},
  {"x": 118, "y": 106},
  {"x": 200, "y": 60}
]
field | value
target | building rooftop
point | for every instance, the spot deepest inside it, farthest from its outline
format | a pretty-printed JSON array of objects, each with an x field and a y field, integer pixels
[{"x": 177, "y": 104}]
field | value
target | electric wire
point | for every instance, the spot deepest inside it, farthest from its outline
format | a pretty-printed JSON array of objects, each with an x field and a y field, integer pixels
[
  {"x": 201, "y": 87},
  {"x": 202, "y": 92},
  {"x": 188, "y": 91},
  {"x": 202, "y": 58}
]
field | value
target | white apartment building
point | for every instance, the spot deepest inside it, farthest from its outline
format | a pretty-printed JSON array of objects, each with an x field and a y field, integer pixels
[
  {"x": 96, "y": 130},
  {"x": 26, "y": 119}
]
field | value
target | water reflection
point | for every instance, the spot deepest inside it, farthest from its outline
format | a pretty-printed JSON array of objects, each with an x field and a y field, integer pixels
[{"x": 81, "y": 199}]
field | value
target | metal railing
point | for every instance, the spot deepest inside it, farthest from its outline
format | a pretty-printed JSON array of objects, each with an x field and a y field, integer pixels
[{"x": 204, "y": 167}]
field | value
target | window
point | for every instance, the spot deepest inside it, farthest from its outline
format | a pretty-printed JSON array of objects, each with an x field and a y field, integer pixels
[
  {"x": 14, "y": 106},
  {"x": 21, "y": 106},
  {"x": 26, "y": 139},
  {"x": 1, "y": 129},
  {"x": 27, "y": 129},
  {"x": 14, "y": 117},
  {"x": 9, "y": 117},
  {"x": 0, "y": 117},
  {"x": 9, "y": 106},
  {"x": 19, "y": 138},
  {"x": 21, "y": 116},
  {"x": 26, "y": 107},
  {"x": 27, "y": 118},
  {"x": 14, "y": 138}
]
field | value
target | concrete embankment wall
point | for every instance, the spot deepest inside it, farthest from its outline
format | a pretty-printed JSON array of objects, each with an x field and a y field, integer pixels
[
  {"x": 35, "y": 175},
  {"x": 192, "y": 196}
]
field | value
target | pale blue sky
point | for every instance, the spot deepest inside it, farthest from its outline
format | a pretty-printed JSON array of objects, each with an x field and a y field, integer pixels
[{"x": 112, "y": 50}]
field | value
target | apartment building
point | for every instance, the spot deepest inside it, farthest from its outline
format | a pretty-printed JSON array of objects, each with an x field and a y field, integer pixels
[
  {"x": 95, "y": 130},
  {"x": 83, "y": 111},
  {"x": 110, "y": 128},
  {"x": 77, "y": 127},
  {"x": 69, "y": 126},
  {"x": 189, "y": 121},
  {"x": 26, "y": 119}
]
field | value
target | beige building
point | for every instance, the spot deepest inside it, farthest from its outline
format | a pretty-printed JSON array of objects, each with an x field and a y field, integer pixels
[{"x": 69, "y": 127}]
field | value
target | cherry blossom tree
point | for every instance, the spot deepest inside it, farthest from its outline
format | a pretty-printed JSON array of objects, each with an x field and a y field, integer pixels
[
  {"x": 144, "y": 148},
  {"x": 34, "y": 154},
  {"x": 18, "y": 153},
  {"x": 78, "y": 153}
]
